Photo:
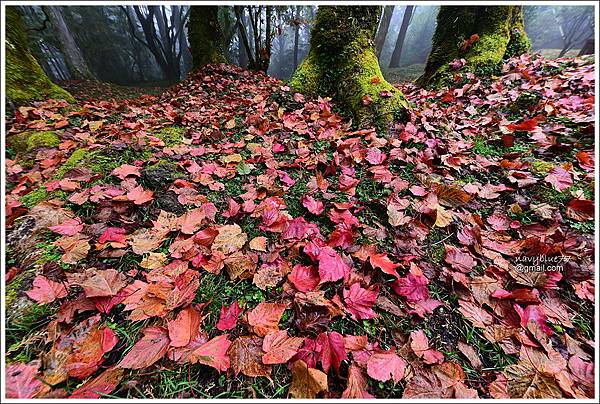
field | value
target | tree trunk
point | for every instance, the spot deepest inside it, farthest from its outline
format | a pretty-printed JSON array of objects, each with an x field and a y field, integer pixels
[
  {"x": 242, "y": 54},
  {"x": 73, "y": 56},
  {"x": 588, "y": 47},
  {"x": 205, "y": 36},
  {"x": 342, "y": 64},
  {"x": 25, "y": 79},
  {"x": 384, "y": 26},
  {"x": 481, "y": 35},
  {"x": 296, "y": 36},
  {"x": 395, "y": 60}
]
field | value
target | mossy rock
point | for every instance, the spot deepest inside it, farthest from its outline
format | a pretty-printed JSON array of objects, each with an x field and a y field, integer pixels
[
  {"x": 28, "y": 141},
  {"x": 25, "y": 79},
  {"x": 161, "y": 174}
]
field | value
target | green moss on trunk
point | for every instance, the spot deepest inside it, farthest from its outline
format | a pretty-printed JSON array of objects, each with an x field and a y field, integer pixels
[
  {"x": 25, "y": 79},
  {"x": 499, "y": 34},
  {"x": 27, "y": 141},
  {"x": 342, "y": 64},
  {"x": 205, "y": 36}
]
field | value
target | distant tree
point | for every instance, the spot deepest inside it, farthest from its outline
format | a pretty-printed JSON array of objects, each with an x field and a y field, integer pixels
[
  {"x": 75, "y": 60},
  {"x": 263, "y": 30},
  {"x": 574, "y": 25},
  {"x": 342, "y": 64},
  {"x": 242, "y": 53},
  {"x": 395, "y": 60},
  {"x": 25, "y": 80},
  {"x": 482, "y": 35},
  {"x": 384, "y": 27},
  {"x": 296, "y": 22},
  {"x": 205, "y": 36}
]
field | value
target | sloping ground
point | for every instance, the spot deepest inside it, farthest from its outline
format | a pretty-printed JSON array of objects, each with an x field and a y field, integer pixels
[{"x": 233, "y": 239}]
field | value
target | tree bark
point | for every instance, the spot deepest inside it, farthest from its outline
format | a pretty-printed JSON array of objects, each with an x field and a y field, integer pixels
[
  {"x": 205, "y": 36},
  {"x": 384, "y": 26},
  {"x": 73, "y": 56},
  {"x": 588, "y": 47},
  {"x": 25, "y": 80},
  {"x": 242, "y": 53},
  {"x": 395, "y": 60},
  {"x": 296, "y": 35},
  {"x": 481, "y": 35},
  {"x": 342, "y": 64}
]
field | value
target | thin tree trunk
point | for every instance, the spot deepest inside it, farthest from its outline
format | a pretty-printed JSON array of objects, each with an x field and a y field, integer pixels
[
  {"x": 73, "y": 56},
  {"x": 395, "y": 60},
  {"x": 384, "y": 26},
  {"x": 296, "y": 36}
]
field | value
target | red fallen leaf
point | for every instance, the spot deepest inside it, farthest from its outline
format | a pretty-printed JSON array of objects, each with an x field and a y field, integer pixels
[
  {"x": 75, "y": 247},
  {"x": 474, "y": 313},
  {"x": 148, "y": 350},
  {"x": 419, "y": 343},
  {"x": 279, "y": 347},
  {"x": 191, "y": 221},
  {"x": 331, "y": 350},
  {"x": 423, "y": 307},
  {"x": 138, "y": 196},
  {"x": 586, "y": 161},
  {"x": 459, "y": 260},
  {"x": 206, "y": 236},
  {"x": 356, "y": 386},
  {"x": 213, "y": 353},
  {"x": 499, "y": 222},
  {"x": 88, "y": 354},
  {"x": 331, "y": 266},
  {"x": 126, "y": 170},
  {"x": 559, "y": 178},
  {"x": 61, "y": 124},
  {"x": 103, "y": 384},
  {"x": 113, "y": 235},
  {"x": 375, "y": 156},
  {"x": 69, "y": 227},
  {"x": 229, "y": 316},
  {"x": 385, "y": 94},
  {"x": 366, "y": 100},
  {"x": 312, "y": 205},
  {"x": 469, "y": 42},
  {"x": 45, "y": 290},
  {"x": 581, "y": 210},
  {"x": 533, "y": 313},
  {"x": 21, "y": 380},
  {"x": 413, "y": 286},
  {"x": 185, "y": 327},
  {"x": 99, "y": 283},
  {"x": 521, "y": 295},
  {"x": 10, "y": 274},
  {"x": 359, "y": 302},
  {"x": 526, "y": 126},
  {"x": 304, "y": 278},
  {"x": 264, "y": 318},
  {"x": 375, "y": 80},
  {"x": 383, "y": 262},
  {"x": 386, "y": 365}
]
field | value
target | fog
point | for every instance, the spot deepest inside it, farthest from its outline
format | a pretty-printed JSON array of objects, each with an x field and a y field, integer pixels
[{"x": 112, "y": 41}]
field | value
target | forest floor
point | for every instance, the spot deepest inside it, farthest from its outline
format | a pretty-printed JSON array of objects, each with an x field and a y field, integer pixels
[{"x": 229, "y": 238}]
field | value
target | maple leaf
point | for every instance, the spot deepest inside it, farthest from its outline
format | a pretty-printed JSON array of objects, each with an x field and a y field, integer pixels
[
  {"x": 213, "y": 353},
  {"x": 139, "y": 196},
  {"x": 125, "y": 170},
  {"x": 331, "y": 266},
  {"x": 191, "y": 221},
  {"x": 101, "y": 385},
  {"x": 419, "y": 343},
  {"x": 477, "y": 315},
  {"x": 230, "y": 239},
  {"x": 148, "y": 350},
  {"x": 22, "y": 380},
  {"x": 264, "y": 318},
  {"x": 330, "y": 346},
  {"x": 75, "y": 248},
  {"x": 69, "y": 227},
  {"x": 357, "y": 385},
  {"x": 459, "y": 260},
  {"x": 359, "y": 302},
  {"x": 99, "y": 283},
  {"x": 533, "y": 313},
  {"x": 114, "y": 235},
  {"x": 279, "y": 347},
  {"x": 559, "y": 178},
  {"x": 304, "y": 278},
  {"x": 88, "y": 354},
  {"x": 185, "y": 327},
  {"x": 581, "y": 210},
  {"x": 229, "y": 316},
  {"x": 312, "y": 205},
  {"x": 386, "y": 365},
  {"x": 413, "y": 286},
  {"x": 307, "y": 382},
  {"x": 245, "y": 354},
  {"x": 45, "y": 290},
  {"x": 258, "y": 244},
  {"x": 383, "y": 262}
]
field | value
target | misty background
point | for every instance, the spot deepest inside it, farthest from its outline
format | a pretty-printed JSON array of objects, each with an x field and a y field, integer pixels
[{"x": 147, "y": 45}]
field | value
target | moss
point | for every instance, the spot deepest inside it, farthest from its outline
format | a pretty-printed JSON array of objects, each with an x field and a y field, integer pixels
[
  {"x": 75, "y": 159},
  {"x": 541, "y": 166},
  {"x": 34, "y": 197},
  {"x": 25, "y": 79},
  {"x": 342, "y": 64},
  {"x": 31, "y": 140},
  {"x": 500, "y": 34},
  {"x": 172, "y": 135},
  {"x": 205, "y": 36}
]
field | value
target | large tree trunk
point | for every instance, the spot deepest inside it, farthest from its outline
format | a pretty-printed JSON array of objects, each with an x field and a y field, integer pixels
[
  {"x": 384, "y": 26},
  {"x": 73, "y": 56},
  {"x": 342, "y": 64},
  {"x": 205, "y": 36},
  {"x": 482, "y": 35},
  {"x": 395, "y": 60},
  {"x": 25, "y": 79}
]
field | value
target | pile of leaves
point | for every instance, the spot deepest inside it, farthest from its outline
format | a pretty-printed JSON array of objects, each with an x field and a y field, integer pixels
[{"x": 276, "y": 250}]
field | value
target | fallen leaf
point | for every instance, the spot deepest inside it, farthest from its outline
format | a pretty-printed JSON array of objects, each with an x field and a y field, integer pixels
[{"x": 307, "y": 382}]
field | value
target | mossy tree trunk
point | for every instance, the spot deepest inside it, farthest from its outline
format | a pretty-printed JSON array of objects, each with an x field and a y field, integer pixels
[
  {"x": 204, "y": 35},
  {"x": 342, "y": 64},
  {"x": 482, "y": 35},
  {"x": 25, "y": 79}
]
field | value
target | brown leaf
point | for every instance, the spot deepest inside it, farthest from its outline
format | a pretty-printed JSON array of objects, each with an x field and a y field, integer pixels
[
  {"x": 245, "y": 354},
  {"x": 264, "y": 318},
  {"x": 98, "y": 283},
  {"x": 148, "y": 350},
  {"x": 280, "y": 347},
  {"x": 357, "y": 384},
  {"x": 230, "y": 239},
  {"x": 307, "y": 382}
]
